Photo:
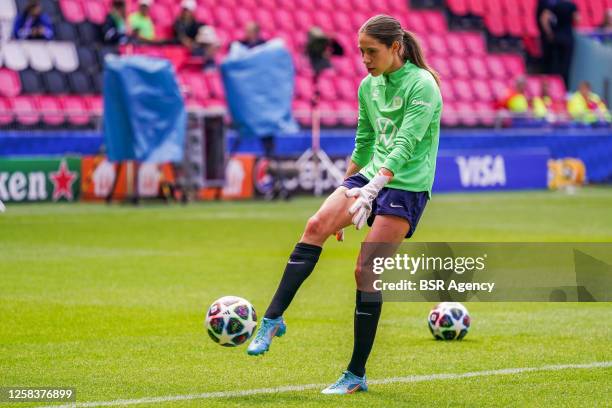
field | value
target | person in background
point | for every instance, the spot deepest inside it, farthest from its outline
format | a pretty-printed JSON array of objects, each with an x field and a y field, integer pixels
[
  {"x": 606, "y": 25},
  {"x": 516, "y": 100},
  {"x": 199, "y": 38},
  {"x": 114, "y": 29},
  {"x": 542, "y": 104},
  {"x": 558, "y": 24},
  {"x": 33, "y": 24},
  {"x": 252, "y": 36},
  {"x": 141, "y": 24},
  {"x": 543, "y": 18},
  {"x": 586, "y": 106}
]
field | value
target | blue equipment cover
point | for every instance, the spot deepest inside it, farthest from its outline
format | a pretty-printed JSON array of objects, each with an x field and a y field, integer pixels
[
  {"x": 144, "y": 112},
  {"x": 259, "y": 89}
]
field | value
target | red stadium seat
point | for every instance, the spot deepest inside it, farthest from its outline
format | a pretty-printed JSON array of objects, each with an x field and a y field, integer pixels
[
  {"x": 556, "y": 87},
  {"x": 51, "y": 110},
  {"x": 6, "y": 111},
  {"x": 415, "y": 22},
  {"x": 495, "y": 24},
  {"x": 72, "y": 11},
  {"x": 514, "y": 64},
  {"x": 26, "y": 111},
  {"x": 514, "y": 25},
  {"x": 195, "y": 85},
  {"x": 215, "y": 85},
  {"x": 476, "y": 7},
  {"x": 10, "y": 84},
  {"x": 95, "y": 104}
]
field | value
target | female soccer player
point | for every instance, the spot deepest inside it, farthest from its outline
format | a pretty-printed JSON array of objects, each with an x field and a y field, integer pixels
[{"x": 388, "y": 182}]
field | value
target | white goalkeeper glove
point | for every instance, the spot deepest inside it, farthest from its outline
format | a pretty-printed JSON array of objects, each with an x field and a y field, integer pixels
[{"x": 362, "y": 207}]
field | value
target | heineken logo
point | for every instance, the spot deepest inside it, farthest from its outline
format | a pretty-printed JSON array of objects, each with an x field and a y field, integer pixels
[{"x": 38, "y": 180}]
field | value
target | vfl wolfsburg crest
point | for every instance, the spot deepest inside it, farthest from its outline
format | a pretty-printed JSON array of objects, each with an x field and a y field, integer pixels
[{"x": 386, "y": 130}]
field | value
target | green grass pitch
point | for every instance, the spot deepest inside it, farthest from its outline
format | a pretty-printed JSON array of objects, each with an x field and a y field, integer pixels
[{"x": 111, "y": 300}]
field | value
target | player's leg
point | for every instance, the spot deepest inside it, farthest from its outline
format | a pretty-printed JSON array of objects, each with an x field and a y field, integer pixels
[
  {"x": 389, "y": 230},
  {"x": 332, "y": 216}
]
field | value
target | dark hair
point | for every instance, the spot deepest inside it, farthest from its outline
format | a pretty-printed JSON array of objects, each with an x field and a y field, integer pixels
[{"x": 387, "y": 30}]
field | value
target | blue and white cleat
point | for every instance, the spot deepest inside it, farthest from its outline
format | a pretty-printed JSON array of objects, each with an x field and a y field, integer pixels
[
  {"x": 268, "y": 329},
  {"x": 348, "y": 383}
]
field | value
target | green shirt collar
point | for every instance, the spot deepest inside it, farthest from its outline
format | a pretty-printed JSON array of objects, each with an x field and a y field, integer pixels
[{"x": 396, "y": 76}]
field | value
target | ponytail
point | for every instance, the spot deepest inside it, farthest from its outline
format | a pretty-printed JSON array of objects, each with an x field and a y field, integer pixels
[{"x": 411, "y": 51}]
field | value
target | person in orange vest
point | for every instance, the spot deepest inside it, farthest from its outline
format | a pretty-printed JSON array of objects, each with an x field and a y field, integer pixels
[{"x": 516, "y": 100}]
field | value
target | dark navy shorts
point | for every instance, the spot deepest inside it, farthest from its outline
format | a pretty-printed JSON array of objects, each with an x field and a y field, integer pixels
[{"x": 391, "y": 201}]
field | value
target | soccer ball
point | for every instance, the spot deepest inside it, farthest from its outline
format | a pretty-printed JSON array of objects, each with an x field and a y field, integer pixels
[
  {"x": 448, "y": 321},
  {"x": 231, "y": 321}
]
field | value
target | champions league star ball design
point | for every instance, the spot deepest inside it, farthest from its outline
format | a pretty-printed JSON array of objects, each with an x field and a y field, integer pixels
[
  {"x": 448, "y": 321},
  {"x": 231, "y": 321}
]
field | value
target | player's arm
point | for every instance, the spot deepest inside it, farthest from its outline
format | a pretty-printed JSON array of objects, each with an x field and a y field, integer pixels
[
  {"x": 365, "y": 137},
  {"x": 421, "y": 103}
]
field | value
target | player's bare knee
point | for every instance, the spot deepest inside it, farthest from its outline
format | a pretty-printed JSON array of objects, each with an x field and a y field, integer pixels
[{"x": 314, "y": 227}]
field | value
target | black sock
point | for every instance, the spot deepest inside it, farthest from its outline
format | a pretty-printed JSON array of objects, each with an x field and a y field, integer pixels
[
  {"x": 301, "y": 263},
  {"x": 367, "y": 312}
]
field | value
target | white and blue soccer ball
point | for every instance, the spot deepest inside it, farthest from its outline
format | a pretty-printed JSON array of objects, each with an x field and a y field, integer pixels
[
  {"x": 231, "y": 321},
  {"x": 449, "y": 321}
]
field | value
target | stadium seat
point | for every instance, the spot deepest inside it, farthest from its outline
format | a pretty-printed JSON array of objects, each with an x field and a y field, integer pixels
[
  {"x": 514, "y": 64},
  {"x": 435, "y": 22},
  {"x": 496, "y": 66},
  {"x": 485, "y": 113},
  {"x": 77, "y": 112},
  {"x": 88, "y": 59},
  {"x": 441, "y": 66},
  {"x": 456, "y": 45},
  {"x": 79, "y": 83},
  {"x": 458, "y": 7},
  {"x": 499, "y": 88},
  {"x": 468, "y": 114},
  {"x": 64, "y": 56},
  {"x": 435, "y": 44},
  {"x": 52, "y": 9},
  {"x": 13, "y": 56},
  {"x": 459, "y": 68},
  {"x": 303, "y": 87},
  {"x": 10, "y": 84},
  {"x": 415, "y": 22},
  {"x": 345, "y": 90},
  {"x": 347, "y": 113},
  {"x": 463, "y": 90},
  {"x": 301, "y": 111},
  {"x": 72, "y": 10},
  {"x": 95, "y": 104},
  {"x": 475, "y": 43},
  {"x": 26, "y": 111},
  {"x": 215, "y": 85},
  {"x": 449, "y": 114},
  {"x": 95, "y": 11},
  {"x": 55, "y": 82},
  {"x": 89, "y": 33},
  {"x": 195, "y": 85},
  {"x": 65, "y": 31},
  {"x": 6, "y": 112},
  {"x": 51, "y": 110},
  {"x": 482, "y": 91},
  {"x": 31, "y": 82},
  {"x": 37, "y": 52},
  {"x": 327, "y": 114},
  {"x": 495, "y": 24},
  {"x": 478, "y": 67}
]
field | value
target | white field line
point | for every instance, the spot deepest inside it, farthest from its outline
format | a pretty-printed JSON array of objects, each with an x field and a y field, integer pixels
[{"x": 297, "y": 388}]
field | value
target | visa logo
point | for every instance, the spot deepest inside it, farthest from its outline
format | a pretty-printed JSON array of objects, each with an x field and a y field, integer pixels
[{"x": 481, "y": 171}]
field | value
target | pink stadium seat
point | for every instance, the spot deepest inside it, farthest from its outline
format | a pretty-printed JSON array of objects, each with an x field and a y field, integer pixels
[
  {"x": 495, "y": 24},
  {"x": 301, "y": 110},
  {"x": 95, "y": 104},
  {"x": 195, "y": 85},
  {"x": 556, "y": 87},
  {"x": 323, "y": 20},
  {"x": 456, "y": 45},
  {"x": 442, "y": 66},
  {"x": 26, "y": 110},
  {"x": 223, "y": 17},
  {"x": 72, "y": 10},
  {"x": 328, "y": 115},
  {"x": 347, "y": 113},
  {"x": 493, "y": 7},
  {"x": 76, "y": 110},
  {"x": 514, "y": 64},
  {"x": 458, "y": 7},
  {"x": 482, "y": 92},
  {"x": 415, "y": 22},
  {"x": 435, "y": 21},
  {"x": 51, "y": 110},
  {"x": 476, "y": 6},
  {"x": 474, "y": 43},
  {"x": 204, "y": 15},
  {"x": 496, "y": 66},
  {"x": 463, "y": 90},
  {"x": 95, "y": 11},
  {"x": 448, "y": 92},
  {"x": 327, "y": 91},
  {"x": 499, "y": 88},
  {"x": 243, "y": 16},
  {"x": 449, "y": 114},
  {"x": 6, "y": 109},
  {"x": 345, "y": 90},
  {"x": 478, "y": 67},
  {"x": 468, "y": 114},
  {"x": 303, "y": 19},
  {"x": 10, "y": 84},
  {"x": 215, "y": 85},
  {"x": 485, "y": 113},
  {"x": 284, "y": 19},
  {"x": 437, "y": 45},
  {"x": 459, "y": 67},
  {"x": 514, "y": 25}
]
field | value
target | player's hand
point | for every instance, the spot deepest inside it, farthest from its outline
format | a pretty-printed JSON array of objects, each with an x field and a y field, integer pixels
[{"x": 364, "y": 196}]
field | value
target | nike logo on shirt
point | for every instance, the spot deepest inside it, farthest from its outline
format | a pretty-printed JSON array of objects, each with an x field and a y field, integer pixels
[{"x": 395, "y": 205}]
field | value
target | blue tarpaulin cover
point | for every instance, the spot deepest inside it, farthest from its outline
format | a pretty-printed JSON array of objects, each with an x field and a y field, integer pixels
[
  {"x": 144, "y": 112},
  {"x": 259, "y": 89}
]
